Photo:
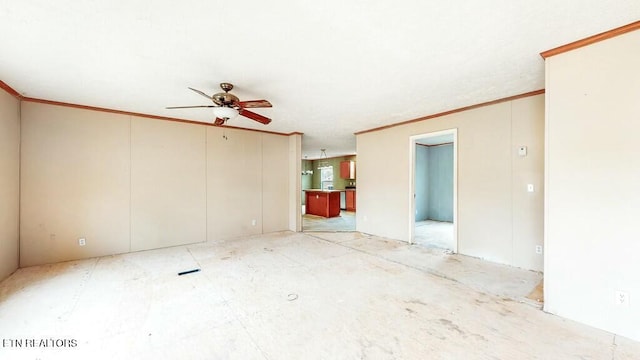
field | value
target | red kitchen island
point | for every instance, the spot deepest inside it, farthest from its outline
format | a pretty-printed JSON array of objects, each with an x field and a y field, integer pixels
[{"x": 324, "y": 203}]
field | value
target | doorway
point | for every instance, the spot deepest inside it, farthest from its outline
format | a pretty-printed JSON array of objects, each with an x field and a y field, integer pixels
[
  {"x": 434, "y": 179},
  {"x": 328, "y": 178}
]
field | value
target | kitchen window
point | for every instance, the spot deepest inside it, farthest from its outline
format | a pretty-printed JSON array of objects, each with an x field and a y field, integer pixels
[{"x": 326, "y": 177}]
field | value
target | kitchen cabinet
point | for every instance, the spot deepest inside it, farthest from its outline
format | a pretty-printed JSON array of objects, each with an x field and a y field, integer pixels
[
  {"x": 350, "y": 200},
  {"x": 348, "y": 169}
]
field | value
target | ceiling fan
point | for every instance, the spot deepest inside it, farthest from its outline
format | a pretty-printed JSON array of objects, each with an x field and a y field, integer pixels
[{"x": 227, "y": 106}]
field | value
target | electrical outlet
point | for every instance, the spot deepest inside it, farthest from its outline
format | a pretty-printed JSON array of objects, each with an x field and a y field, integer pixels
[
  {"x": 538, "y": 249},
  {"x": 522, "y": 151},
  {"x": 621, "y": 298},
  {"x": 82, "y": 241},
  {"x": 253, "y": 222}
]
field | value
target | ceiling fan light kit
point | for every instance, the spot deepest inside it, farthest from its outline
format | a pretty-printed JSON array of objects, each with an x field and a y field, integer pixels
[
  {"x": 225, "y": 113},
  {"x": 228, "y": 106}
]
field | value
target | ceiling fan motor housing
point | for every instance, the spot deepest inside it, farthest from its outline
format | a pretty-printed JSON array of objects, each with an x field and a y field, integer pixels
[{"x": 224, "y": 99}]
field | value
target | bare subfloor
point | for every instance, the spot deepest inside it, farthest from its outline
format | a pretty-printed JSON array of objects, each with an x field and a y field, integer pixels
[
  {"x": 290, "y": 296},
  {"x": 345, "y": 222},
  {"x": 431, "y": 233}
]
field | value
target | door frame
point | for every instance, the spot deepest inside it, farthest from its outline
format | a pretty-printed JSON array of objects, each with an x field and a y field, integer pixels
[{"x": 413, "y": 140}]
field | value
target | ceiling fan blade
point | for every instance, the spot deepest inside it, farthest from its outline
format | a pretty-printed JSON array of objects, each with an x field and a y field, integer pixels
[
  {"x": 253, "y": 116},
  {"x": 218, "y": 122},
  {"x": 254, "y": 104},
  {"x": 188, "y": 107},
  {"x": 201, "y": 93}
]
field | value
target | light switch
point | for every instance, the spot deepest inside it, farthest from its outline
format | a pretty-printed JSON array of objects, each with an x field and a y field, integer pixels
[{"x": 530, "y": 187}]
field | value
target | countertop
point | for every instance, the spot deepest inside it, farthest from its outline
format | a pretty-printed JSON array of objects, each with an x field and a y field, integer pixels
[
  {"x": 323, "y": 191},
  {"x": 328, "y": 191}
]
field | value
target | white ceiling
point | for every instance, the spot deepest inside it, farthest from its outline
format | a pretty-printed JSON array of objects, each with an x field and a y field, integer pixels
[{"x": 330, "y": 68}]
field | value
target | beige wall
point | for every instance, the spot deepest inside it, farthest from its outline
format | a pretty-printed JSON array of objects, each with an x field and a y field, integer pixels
[
  {"x": 127, "y": 183},
  {"x": 75, "y": 183},
  {"x": 248, "y": 182},
  {"x": 295, "y": 185},
  {"x": 168, "y": 184},
  {"x": 527, "y": 209},
  {"x": 275, "y": 183},
  {"x": 234, "y": 183},
  {"x": 9, "y": 183},
  {"x": 592, "y": 235},
  {"x": 498, "y": 219}
]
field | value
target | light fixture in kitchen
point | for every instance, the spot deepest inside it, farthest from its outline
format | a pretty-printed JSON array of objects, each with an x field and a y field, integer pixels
[{"x": 323, "y": 162}]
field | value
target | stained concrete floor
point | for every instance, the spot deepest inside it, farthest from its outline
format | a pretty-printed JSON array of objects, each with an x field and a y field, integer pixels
[{"x": 291, "y": 296}]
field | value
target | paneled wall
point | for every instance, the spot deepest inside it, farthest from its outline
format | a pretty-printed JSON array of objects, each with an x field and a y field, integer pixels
[
  {"x": 168, "y": 184},
  {"x": 75, "y": 183},
  {"x": 295, "y": 182},
  {"x": 492, "y": 178},
  {"x": 9, "y": 182},
  {"x": 127, "y": 183},
  {"x": 234, "y": 183},
  {"x": 275, "y": 182},
  {"x": 593, "y": 171}
]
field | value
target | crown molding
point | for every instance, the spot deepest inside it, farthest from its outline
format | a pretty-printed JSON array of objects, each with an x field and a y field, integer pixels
[
  {"x": 437, "y": 115},
  {"x": 591, "y": 39},
  {"x": 11, "y": 91}
]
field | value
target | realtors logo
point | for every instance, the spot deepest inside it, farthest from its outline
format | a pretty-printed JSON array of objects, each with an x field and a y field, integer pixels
[{"x": 39, "y": 343}]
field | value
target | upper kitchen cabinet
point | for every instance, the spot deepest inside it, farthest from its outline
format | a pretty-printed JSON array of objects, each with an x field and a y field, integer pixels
[{"x": 348, "y": 169}]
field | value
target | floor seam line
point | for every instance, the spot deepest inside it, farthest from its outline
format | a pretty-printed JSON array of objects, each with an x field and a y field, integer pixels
[
  {"x": 235, "y": 315},
  {"x": 427, "y": 271},
  {"x": 394, "y": 261},
  {"x": 76, "y": 297}
]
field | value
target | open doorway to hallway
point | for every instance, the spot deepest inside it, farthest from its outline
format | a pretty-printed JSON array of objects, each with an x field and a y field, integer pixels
[{"x": 433, "y": 184}]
